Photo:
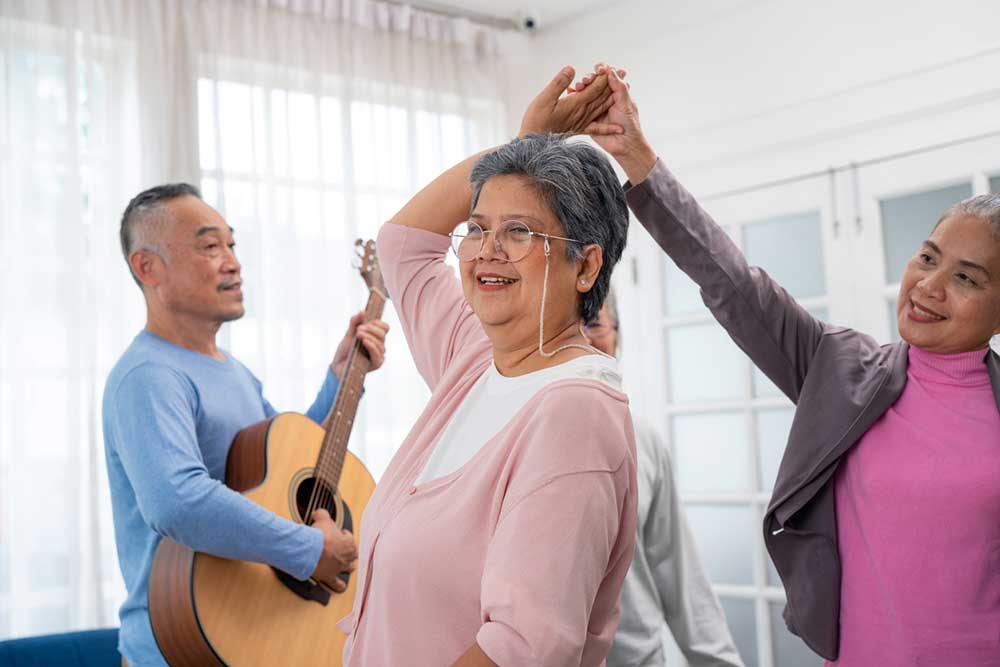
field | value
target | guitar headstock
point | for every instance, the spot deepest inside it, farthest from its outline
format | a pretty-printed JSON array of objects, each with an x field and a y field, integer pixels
[{"x": 369, "y": 268}]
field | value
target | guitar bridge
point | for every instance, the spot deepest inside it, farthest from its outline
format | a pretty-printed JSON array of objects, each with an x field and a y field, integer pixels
[{"x": 308, "y": 590}]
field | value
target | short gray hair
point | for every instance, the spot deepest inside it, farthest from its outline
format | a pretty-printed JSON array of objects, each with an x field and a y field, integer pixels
[
  {"x": 580, "y": 188},
  {"x": 984, "y": 207},
  {"x": 142, "y": 221}
]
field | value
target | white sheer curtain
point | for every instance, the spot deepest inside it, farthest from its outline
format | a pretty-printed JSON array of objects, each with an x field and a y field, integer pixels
[{"x": 306, "y": 123}]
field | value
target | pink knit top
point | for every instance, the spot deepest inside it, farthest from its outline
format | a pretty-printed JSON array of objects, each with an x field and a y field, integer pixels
[
  {"x": 918, "y": 521},
  {"x": 524, "y": 548}
]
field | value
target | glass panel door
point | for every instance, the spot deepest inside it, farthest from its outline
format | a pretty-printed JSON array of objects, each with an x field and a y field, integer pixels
[{"x": 727, "y": 423}]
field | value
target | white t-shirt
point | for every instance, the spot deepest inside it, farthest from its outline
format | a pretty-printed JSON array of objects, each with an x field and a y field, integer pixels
[{"x": 495, "y": 399}]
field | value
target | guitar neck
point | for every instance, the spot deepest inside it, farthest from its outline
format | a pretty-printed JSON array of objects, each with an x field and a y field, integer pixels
[{"x": 340, "y": 420}]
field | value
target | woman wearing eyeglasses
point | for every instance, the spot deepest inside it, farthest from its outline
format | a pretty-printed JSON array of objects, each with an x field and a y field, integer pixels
[{"x": 503, "y": 527}]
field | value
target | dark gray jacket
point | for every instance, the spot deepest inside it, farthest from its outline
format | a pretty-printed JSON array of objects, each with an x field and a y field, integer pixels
[{"x": 840, "y": 380}]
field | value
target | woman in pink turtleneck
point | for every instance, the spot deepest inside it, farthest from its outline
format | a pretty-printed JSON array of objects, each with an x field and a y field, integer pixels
[{"x": 885, "y": 520}]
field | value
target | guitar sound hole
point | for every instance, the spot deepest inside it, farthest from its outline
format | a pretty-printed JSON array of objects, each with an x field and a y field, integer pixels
[{"x": 325, "y": 500}]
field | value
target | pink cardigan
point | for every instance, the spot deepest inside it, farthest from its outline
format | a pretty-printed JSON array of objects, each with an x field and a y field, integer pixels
[{"x": 524, "y": 548}]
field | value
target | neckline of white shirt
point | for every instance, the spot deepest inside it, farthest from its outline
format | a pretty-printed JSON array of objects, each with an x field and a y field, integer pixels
[
  {"x": 493, "y": 401},
  {"x": 595, "y": 366}
]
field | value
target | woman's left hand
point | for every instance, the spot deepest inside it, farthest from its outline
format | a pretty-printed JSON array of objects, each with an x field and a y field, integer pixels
[
  {"x": 629, "y": 147},
  {"x": 576, "y": 113},
  {"x": 372, "y": 337}
]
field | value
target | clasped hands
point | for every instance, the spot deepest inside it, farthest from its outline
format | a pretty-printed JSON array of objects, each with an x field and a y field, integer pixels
[{"x": 599, "y": 105}]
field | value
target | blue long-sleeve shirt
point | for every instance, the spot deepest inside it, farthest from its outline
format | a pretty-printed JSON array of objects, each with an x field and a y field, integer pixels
[{"x": 170, "y": 415}]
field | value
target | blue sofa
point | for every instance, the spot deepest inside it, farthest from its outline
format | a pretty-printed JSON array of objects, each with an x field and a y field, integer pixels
[{"x": 93, "y": 648}]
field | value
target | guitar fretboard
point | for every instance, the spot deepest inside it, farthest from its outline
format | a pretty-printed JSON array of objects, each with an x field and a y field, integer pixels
[{"x": 340, "y": 420}]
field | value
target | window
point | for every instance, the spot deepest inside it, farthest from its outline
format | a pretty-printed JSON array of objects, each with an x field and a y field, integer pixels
[
  {"x": 908, "y": 220},
  {"x": 300, "y": 173},
  {"x": 62, "y": 180},
  {"x": 276, "y": 153},
  {"x": 728, "y": 423}
]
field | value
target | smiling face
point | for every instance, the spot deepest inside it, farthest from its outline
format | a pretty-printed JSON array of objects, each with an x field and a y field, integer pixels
[
  {"x": 506, "y": 296},
  {"x": 201, "y": 276},
  {"x": 949, "y": 296}
]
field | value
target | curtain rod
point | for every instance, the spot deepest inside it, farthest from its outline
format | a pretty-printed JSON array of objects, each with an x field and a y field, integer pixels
[
  {"x": 848, "y": 167},
  {"x": 456, "y": 12}
]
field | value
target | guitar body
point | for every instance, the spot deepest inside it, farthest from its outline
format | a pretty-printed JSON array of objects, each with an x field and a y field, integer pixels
[{"x": 208, "y": 611}]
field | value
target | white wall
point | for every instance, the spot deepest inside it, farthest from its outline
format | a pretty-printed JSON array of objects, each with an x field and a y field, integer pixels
[
  {"x": 734, "y": 92},
  {"x": 737, "y": 92}
]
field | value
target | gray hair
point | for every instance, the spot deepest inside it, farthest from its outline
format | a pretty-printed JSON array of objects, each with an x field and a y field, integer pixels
[
  {"x": 580, "y": 188},
  {"x": 984, "y": 207},
  {"x": 143, "y": 220}
]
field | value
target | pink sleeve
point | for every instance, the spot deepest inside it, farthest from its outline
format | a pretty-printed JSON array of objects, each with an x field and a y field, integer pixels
[
  {"x": 427, "y": 295},
  {"x": 559, "y": 554},
  {"x": 545, "y": 565}
]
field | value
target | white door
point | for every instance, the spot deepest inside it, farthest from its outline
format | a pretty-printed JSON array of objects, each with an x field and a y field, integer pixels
[{"x": 726, "y": 423}]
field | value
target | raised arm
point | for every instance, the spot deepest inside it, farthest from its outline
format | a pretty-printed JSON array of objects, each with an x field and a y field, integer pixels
[
  {"x": 445, "y": 202},
  {"x": 778, "y": 335}
]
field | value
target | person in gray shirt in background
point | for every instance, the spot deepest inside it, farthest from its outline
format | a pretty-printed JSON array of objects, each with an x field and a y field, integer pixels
[{"x": 666, "y": 583}]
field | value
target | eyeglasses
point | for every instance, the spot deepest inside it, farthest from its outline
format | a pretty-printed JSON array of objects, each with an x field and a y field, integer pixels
[{"x": 512, "y": 239}]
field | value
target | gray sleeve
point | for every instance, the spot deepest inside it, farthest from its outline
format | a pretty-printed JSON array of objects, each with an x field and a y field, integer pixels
[
  {"x": 760, "y": 316},
  {"x": 690, "y": 607}
]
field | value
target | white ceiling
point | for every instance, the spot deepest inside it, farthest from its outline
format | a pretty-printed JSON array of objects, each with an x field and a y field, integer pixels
[{"x": 545, "y": 12}]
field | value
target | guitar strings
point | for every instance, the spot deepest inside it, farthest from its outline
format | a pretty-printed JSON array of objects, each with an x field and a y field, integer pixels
[
  {"x": 341, "y": 430},
  {"x": 322, "y": 496},
  {"x": 316, "y": 496},
  {"x": 323, "y": 492}
]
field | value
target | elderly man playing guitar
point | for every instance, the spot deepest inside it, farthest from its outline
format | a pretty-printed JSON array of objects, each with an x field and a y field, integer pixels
[{"x": 174, "y": 402}]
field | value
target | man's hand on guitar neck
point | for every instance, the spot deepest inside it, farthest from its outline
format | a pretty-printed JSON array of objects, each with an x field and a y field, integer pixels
[
  {"x": 339, "y": 552},
  {"x": 372, "y": 337}
]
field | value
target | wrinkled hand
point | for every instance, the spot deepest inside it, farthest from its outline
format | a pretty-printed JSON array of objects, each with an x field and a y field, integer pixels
[
  {"x": 629, "y": 147},
  {"x": 372, "y": 337},
  {"x": 339, "y": 552},
  {"x": 577, "y": 113}
]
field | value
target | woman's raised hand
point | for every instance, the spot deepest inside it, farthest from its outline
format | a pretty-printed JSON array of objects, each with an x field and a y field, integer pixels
[
  {"x": 628, "y": 146},
  {"x": 576, "y": 113}
]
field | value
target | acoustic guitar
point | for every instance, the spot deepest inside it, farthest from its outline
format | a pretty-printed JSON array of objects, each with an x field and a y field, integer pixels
[{"x": 208, "y": 611}]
